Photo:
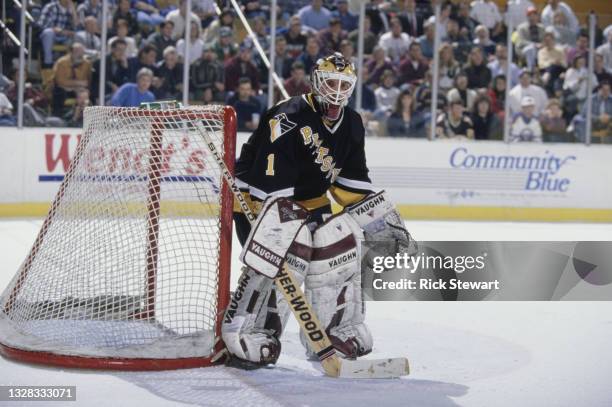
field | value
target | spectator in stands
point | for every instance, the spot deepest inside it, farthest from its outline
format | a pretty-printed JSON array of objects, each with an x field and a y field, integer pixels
[
  {"x": 33, "y": 94},
  {"x": 248, "y": 108},
  {"x": 605, "y": 50},
  {"x": 331, "y": 37},
  {"x": 461, "y": 92},
  {"x": 117, "y": 71},
  {"x": 253, "y": 9},
  {"x": 554, "y": 126},
  {"x": 90, "y": 8},
  {"x": 348, "y": 20},
  {"x": 551, "y": 62},
  {"x": 581, "y": 48},
  {"x": 368, "y": 98},
  {"x": 449, "y": 68},
  {"x": 207, "y": 77},
  {"x": 240, "y": 67},
  {"x": 517, "y": 10},
  {"x": 478, "y": 74},
  {"x": 405, "y": 121},
  {"x": 311, "y": 54},
  {"x": 602, "y": 115},
  {"x": 601, "y": 72},
  {"x": 206, "y": 10},
  {"x": 554, "y": 5},
  {"x": 146, "y": 58},
  {"x": 58, "y": 20},
  {"x": 525, "y": 124},
  {"x": 133, "y": 94},
  {"x": 125, "y": 12},
  {"x": 89, "y": 38},
  {"x": 413, "y": 67},
  {"x": 6, "y": 112},
  {"x": 315, "y": 16},
  {"x": 226, "y": 19},
  {"x": 426, "y": 41},
  {"x": 282, "y": 61},
  {"x": 70, "y": 72},
  {"x": 487, "y": 125},
  {"x": 297, "y": 84},
  {"x": 497, "y": 95},
  {"x": 445, "y": 13},
  {"x": 575, "y": 85},
  {"x": 196, "y": 45},
  {"x": 482, "y": 40},
  {"x": 378, "y": 64},
  {"x": 122, "y": 31},
  {"x": 460, "y": 42},
  {"x": 386, "y": 95},
  {"x": 499, "y": 65},
  {"x": 412, "y": 21},
  {"x": 526, "y": 88},
  {"x": 224, "y": 47},
  {"x": 453, "y": 123},
  {"x": 74, "y": 117},
  {"x": 529, "y": 37},
  {"x": 162, "y": 39},
  {"x": 348, "y": 52},
  {"x": 296, "y": 40},
  {"x": 423, "y": 96},
  {"x": 147, "y": 14},
  {"x": 395, "y": 42},
  {"x": 487, "y": 14},
  {"x": 563, "y": 33},
  {"x": 370, "y": 40},
  {"x": 467, "y": 24},
  {"x": 377, "y": 11},
  {"x": 178, "y": 17},
  {"x": 168, "y": 79}
]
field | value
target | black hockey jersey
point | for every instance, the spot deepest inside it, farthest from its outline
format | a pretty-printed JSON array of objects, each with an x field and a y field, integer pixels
[{"x": 294, "y": 153}]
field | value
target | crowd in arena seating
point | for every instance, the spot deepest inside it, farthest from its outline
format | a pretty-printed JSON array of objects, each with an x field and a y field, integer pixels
[{"x": 547, "y": 88}]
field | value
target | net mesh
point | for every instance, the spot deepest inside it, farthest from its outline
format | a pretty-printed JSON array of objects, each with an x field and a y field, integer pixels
[{"x": 127, "y": 263}]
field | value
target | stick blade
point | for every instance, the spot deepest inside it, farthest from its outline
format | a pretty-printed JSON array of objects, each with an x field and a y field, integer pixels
[{"x": 374, "y": 369}]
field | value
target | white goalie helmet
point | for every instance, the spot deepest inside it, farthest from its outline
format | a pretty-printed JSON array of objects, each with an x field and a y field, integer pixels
[{"x": 333, "y": 81}]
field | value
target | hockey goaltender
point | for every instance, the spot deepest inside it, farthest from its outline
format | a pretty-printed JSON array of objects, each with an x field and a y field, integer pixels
[{"x": 304, "y": 147}]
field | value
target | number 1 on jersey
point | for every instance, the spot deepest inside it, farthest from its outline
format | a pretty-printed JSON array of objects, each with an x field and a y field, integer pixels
[{"x": 270, "y": 169}]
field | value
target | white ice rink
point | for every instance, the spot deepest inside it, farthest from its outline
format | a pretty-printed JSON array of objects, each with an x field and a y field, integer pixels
[{"x": 461, "y": 353}]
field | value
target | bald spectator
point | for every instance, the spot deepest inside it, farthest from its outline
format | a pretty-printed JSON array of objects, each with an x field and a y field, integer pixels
[
  {"x": 89, "y": 38},
  {"x": 526, "y": 88},
  {"x": 58, "y": 20},
  {"x": 315, "y": 16},
  {"x": 133, "y": 94},
  {"x": 395, "y": 42},
  {"x": 70, "y": 73},
  {"x": 556, "y": 5}
]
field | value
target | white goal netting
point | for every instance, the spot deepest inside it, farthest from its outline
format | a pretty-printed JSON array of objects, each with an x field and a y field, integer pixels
[{"x": 133, "y": 258}]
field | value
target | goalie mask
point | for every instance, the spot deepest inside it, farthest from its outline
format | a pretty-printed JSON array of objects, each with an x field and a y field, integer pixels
[{"x": 333, "y": 80}]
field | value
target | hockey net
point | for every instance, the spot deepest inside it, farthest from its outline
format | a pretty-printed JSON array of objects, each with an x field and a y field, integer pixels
[{"x": 131, "y": 267}]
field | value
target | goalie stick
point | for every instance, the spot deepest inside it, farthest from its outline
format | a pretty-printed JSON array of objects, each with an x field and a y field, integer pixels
[{"x": 286, "y": 283}]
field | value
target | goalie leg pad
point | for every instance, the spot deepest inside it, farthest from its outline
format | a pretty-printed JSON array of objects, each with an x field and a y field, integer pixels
[
  {"x": 244, "y": 340},
  {"x": 333, "y": 286}
]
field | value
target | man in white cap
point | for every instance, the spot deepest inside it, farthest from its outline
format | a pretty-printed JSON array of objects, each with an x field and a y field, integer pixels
[{"x": 525, "y": 125}]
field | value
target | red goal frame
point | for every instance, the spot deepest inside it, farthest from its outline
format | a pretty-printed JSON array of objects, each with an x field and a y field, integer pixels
[{"x": 153, "y": 209}]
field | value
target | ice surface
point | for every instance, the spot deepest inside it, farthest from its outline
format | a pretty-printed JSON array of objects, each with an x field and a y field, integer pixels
[{"x": 467, "y": 353}]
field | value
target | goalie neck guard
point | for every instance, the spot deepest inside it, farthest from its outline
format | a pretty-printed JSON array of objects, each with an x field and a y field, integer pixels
[{"x": 333, "y": 80}]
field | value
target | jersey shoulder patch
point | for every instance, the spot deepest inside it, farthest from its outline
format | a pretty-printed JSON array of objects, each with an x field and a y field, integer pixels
[
  {"x": 280, "y": 125},
  {"x": 283, "y": 117}
]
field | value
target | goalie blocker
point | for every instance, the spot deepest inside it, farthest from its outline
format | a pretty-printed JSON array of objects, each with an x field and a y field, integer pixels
[{"x": 326, "y": 259}]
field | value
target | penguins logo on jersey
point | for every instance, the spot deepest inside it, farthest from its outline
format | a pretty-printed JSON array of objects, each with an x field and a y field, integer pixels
[
  {"x": 280, "y": 125},
  {"x": 322, "y": 156}
]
